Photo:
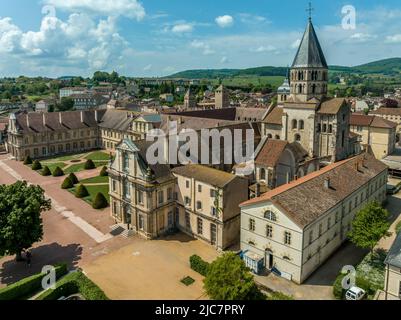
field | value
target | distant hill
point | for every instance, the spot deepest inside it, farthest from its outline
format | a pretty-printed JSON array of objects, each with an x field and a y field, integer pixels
[{"x": 387, "y": 67}]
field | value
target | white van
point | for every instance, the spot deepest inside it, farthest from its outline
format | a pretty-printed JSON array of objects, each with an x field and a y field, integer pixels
[{"x": 355, "y": 293}]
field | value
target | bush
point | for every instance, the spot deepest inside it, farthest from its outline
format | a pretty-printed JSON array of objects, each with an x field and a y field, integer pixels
[
  {"x": 28, "y": 286},
  {"x": 67, "y": 184},
  {"x": 398, "y": 228},
  {"x": 58, "y": 172},
  {"x": 100, "y": 201},
  {"x": 27, "y": 160},
  {"x": 198, "y": 265},
  {"x": 73, "y": 283},
  {"x": 89, "y": 165},
  {"x": 73, "y": 178},
  {"x": 279, "y": 296},
  {"x": 36, "y": 165},
  {"x": 81, "y": 191},
  {"x": 103, "y": 172},
  {"x": 46, "y": 171},
  {"x": 338, "y": 290}
]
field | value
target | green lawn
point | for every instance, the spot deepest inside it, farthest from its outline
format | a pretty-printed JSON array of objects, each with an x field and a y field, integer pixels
[
  {"x": 93, "y": 191},
  {"x": 53, "y": 166},
  {"x": 98, "y": 155},
  {"x": 75, "y": 168},
  {"x": 101, "y": 163},
  {"x": 97, "y": 179}
]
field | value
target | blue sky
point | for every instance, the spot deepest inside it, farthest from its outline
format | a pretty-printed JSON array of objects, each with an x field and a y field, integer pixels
[{"x": 160, "y": 37}]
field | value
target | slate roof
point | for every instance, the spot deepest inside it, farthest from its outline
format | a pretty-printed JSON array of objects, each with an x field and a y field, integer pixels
[
  {"x": 115, "y": 119},
  {"x": 394, "y": 254},
  {"x": 306, "y": 199},
  {"x": 205, "y": 174},
  {"x": 310, "y": 53}
]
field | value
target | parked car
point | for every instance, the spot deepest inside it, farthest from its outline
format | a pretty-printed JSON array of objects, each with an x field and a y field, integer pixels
[{"x": 355, "y": 293}]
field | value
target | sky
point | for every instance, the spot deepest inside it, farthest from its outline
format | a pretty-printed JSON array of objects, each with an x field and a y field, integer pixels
[{"x": 159, "y": 37}]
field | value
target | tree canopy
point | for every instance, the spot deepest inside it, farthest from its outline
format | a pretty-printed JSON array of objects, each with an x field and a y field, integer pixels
[
  {"x": 20, "y": 216},
  {"x": 229, "y": 279},
  {"x": 369, "y": 226}
]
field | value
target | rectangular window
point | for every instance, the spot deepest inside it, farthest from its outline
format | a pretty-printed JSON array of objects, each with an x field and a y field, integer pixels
[
  {"x": 212, "y": 193},
  {"x": 251, "y": 224},
  {"x": 287, "y": 238},
  {"x": 141, "y": 222},
  {"x": 310, "y": 236},
  {"x": 187, "y": 184},
  {"x": 199, "y": 205},
  {"x": 187, "y": 220},
  {"x": 269, "y": 231},
  {"x": 213, "y": 211},
  {"x": 199, "y": 188},
  {"x": 161, "y": 197},
  {"x": 140, "y": 197},
  {"x": 113, "y": 185},
  {"x": 200, "y": 226},
  {"x": 187, "y": 201},
  {"x": 169, "y": 194}
]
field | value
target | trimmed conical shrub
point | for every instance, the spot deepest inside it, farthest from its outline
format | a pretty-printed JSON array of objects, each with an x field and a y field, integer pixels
[
  {"x": 58, "y": 172},
  {"x": 67, "y": 184},
  {"x": 27, "y": 160},
  {"x": 46, "y": 171},
  {"x": 36, "y": 165},
  {"x": 100, "y": 201},
  {"x": 81, "y": 191},
  {"x": 89, "y": 164},
  {"x": 73, "y": 178},
  {"x": 103, "y": 172}
]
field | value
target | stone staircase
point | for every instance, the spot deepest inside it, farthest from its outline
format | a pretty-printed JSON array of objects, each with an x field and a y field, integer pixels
[{"x": 121, "y": 229}]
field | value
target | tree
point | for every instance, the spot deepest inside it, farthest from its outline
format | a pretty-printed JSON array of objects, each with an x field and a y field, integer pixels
[
  {"x": 27, "y": 160},
  {"x": 66, "y": 104},
  {"x": 103, "y": 172},
  {"x": 81, "y": 191},
  {"x": 100, "y": 201},
  {"x": 20, "y": 221},
  {"x": 73, "y": 178},
  {"x": 36, "y": 165},
  {"x": 229, "y": 279},
  {"x": 46, "y": 171},
  {"x": 58, "y": 172},
  {"x": 369, "y": 226},
  {"x": 89, "y": 164},
  {"x": 67, "y": 184}
]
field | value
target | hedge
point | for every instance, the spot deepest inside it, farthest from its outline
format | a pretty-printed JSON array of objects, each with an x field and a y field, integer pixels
[
  {"x": 100, "y": 201},
  {"x": 27, "y": 160},
  {"x": 73, "y": 178},
  {"x": 58, "y": 172},
  {"x": 338, "y": 291},
  {"x": 73, "y": 283},
  {"x": 46, "y": 171},
  {"x": 199, "y": 265},
  {"x": 28, "y": 286},
  {"x": 103, "y": 172},
  {"x": 36, "y": 165},
  {"x": 398, "y": 227},
  {"x": 81, "y": 191},
  {"x": 89, "y": 164},
  {"x": 67, "y": 183}
]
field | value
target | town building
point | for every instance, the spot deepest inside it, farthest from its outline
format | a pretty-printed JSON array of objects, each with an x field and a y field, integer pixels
[
  {"x": 167, "y": 97},
  {"x": 190, "y": 100},
  {"x": 222, "y": 98},
  {"x": 392, "y": 282},
  {"x": 376, "y": 132},
  {"x": 208, "y": 204},
  {"x": 44, "y": 105},
  {"x": 86, "y": 101},
  {"x": 294, "y": 229},
  {"x": 69, "y": 91},
  {"x": 390, "y": 114}
]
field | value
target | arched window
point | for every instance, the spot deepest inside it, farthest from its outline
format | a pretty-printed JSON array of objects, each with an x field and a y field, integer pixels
[
  {"x": 319, "y": 128},
  {"x": 294, "y": 124},
  {"x": 297, "y": 138},
  {"x": 277, "y": 137},
  {"x": 313, "y": 88},
  {"x": 300, "y": 88},
  {"x": 269, "y": 136},
  {"x": 301, "y": 125},
  {"x": 330, "y": 128},
  {"x": 324, "y": 128},
  {"x": 270, "y": 215}
]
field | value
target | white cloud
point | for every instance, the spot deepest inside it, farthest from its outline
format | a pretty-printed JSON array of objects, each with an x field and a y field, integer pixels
[
  {"x": 148, "y": 67},
  {"x": 224, "y": 60},
  {"x": 363, "y": 37},
  {"x": 225, "y": 21},
  {"x": 252, "y": 19},
  {"x": 260, "y": 49},
  {"x": 396, "y": 38},
  {"x": 182, "y": 28},
  {"x": 206, "y": 50},
  {"x": 127, "y": 8}
]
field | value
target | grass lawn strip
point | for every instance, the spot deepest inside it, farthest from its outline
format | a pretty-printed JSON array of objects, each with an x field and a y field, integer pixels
[{"x": 97, "y": 179}]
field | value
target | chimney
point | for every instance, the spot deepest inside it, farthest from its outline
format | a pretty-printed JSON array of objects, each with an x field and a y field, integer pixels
[
  {"x": 60, "y": 119},
  {"x": 44, "y": 120},
  {"x": 27, "y": 120},
  {"x": 327, "y": 183},
  {"x": 96, "y": 116},
  {"x": 82, "y": 116},
  {"x": 257, "y": 190}
]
